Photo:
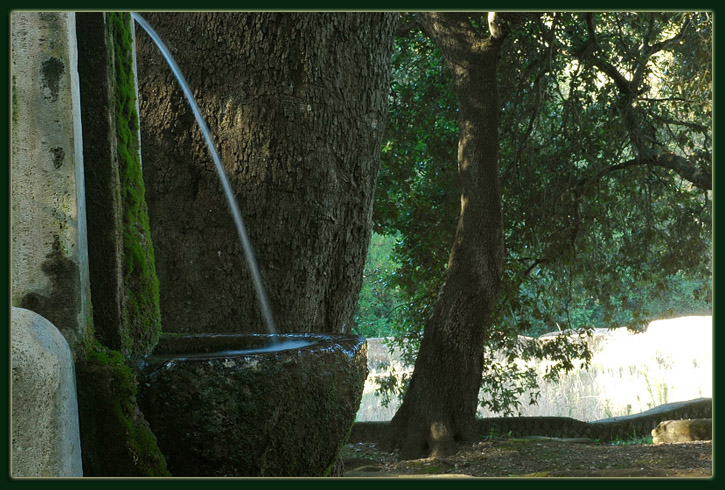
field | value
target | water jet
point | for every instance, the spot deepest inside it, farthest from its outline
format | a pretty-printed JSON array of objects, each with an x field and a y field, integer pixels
[
  {"x": 249, "y": 404},
  {"x": 265, "y": 309}
]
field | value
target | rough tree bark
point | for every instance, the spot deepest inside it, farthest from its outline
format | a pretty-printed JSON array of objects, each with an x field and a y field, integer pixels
[
  {"x": 296, "y": 103},
  {"x": 440, "y": 404}
]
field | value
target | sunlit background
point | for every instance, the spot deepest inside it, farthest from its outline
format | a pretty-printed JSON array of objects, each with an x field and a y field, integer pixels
[{"x": 629, "y": 373}]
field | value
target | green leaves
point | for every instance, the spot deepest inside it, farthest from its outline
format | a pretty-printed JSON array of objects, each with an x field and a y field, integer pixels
[
  {"x": 379, "y": 298},
  {"x": 595, "y": 235}
]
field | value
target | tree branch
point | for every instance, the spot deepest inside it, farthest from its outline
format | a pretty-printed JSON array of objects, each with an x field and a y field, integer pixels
[
  {"x": 449, "y": 30},
  {"x": 687, "y": 169},
  {"x": 610, "y": 70},
  {"x": 668, "y": 42},
  {"x": 690, "y": 169},
  {"x": 690, "y": 125},
  {"x": 536, "y": 263}
]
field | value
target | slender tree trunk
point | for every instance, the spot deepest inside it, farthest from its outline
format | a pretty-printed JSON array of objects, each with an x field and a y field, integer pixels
[
  {"x": 296, "y": 103},
  {"x": 440, "y": 404}
]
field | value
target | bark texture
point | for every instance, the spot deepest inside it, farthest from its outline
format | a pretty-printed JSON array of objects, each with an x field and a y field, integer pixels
[
  {"x": 296, "y": 104},
  {"x": 440, "y": 404}
]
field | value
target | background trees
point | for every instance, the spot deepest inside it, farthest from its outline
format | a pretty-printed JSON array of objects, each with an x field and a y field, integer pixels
[
  {"x": 379, "y": 300},
  {"x": 605, "y": 144},
  {"x": 588, "y": 202},
  {"x": 440, "y": 403}
]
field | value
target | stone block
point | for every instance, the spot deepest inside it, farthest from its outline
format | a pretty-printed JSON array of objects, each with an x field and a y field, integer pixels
[
  {"x": 45, "y": 430},
  {"x": 686, "y": 430},
  {"x": 124, "y": 285},
  {"x": 232, "y": 405}
]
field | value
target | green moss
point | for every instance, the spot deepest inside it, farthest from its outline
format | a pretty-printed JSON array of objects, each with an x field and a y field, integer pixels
[
  {"x": 285, "y": 416},
  {"x": 115, "y": 436},
  {"x": 117, "y": 440},
  {"x": 142, "y": 311}
]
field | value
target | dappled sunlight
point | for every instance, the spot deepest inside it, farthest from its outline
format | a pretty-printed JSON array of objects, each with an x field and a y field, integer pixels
[
  {"x": 629, "y": 373},
  {"x": 380, "y": 364},
  {"x": 632, "y": 372},
  {"x": 671, "y": 361}
]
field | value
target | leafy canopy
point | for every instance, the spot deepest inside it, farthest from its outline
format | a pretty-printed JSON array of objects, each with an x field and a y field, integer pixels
[{"x": 605, "y": 125}]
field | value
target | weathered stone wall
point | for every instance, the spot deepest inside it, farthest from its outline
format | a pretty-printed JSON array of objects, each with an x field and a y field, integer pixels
[{"x": 49, "y": 258}]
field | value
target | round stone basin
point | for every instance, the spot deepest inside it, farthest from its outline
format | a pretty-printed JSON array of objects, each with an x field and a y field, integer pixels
[{"x": 252, "y": 404}]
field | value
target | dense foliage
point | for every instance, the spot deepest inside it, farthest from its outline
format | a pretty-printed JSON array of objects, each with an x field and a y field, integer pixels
[
  {"x": 380, "y": 300},
  {"x": 605, "y": 161}
]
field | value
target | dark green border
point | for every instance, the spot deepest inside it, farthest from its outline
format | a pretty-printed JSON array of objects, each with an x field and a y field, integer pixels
[{"x": 370, "y": 6}]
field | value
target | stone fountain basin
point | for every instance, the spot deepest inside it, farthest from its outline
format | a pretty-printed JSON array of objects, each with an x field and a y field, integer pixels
[{"x": 235, "y": 405}]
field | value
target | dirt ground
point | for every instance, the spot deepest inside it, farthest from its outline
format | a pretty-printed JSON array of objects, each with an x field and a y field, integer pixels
[{"x": 538, "y": 457}]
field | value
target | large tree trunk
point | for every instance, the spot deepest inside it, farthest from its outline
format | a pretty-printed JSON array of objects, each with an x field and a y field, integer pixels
[
  {"x": 440, "y": 404},
  {"x": 296, "y": 103}
]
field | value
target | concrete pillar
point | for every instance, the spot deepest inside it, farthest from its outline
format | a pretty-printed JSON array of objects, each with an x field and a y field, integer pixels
[
  {"x": 45, "y": 431},
  {"x": 49, "y": 265},
  {"x": 49, "y": 251}
]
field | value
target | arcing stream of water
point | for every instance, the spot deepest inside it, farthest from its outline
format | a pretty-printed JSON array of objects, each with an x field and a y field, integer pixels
[{"x": 234, "y": 208}]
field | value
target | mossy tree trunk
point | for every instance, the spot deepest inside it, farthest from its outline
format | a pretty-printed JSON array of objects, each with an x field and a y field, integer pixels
[
  {"x": 296, "y": 103},
  {"x": 124, "y": 285},
  {"x": 115, "y": 438}
]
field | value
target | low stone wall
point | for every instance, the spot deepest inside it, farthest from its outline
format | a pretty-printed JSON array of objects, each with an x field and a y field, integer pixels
[
  {"x": 640, "y": 424},
  {"x": 643, "y": 423}
]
